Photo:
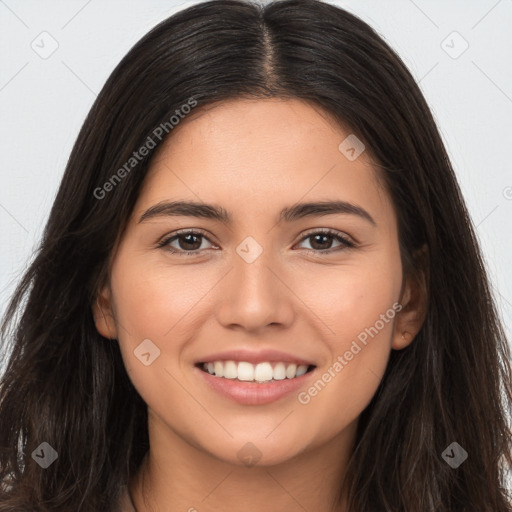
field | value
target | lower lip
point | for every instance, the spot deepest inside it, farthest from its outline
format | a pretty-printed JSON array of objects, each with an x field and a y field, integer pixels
[{"x": 254, "y": 393}]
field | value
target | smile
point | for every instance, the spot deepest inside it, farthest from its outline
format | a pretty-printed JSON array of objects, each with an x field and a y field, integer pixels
[
  {"x": 261, "y": 372},
  {"x": 254, "y": 384}
]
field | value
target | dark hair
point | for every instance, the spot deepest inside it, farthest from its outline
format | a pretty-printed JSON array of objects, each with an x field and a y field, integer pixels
[{"x": 66, "y": 385}]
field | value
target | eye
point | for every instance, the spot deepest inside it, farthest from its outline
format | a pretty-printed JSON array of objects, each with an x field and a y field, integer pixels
[
  {"x": 189, "y": 243},
  {"x": 323, "y": 238}
]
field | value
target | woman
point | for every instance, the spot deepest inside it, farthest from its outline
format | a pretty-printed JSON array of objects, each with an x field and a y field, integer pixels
[{"x": 181, "y": 348}]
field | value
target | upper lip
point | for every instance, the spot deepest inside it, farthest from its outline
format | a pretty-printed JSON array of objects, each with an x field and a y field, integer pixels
[{"x": 255, "y": 357}]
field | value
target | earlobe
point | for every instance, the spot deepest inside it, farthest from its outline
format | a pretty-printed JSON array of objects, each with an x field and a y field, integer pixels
[
  {"x": 103, "y": 315},
  {"x": 404, "y": 341}
]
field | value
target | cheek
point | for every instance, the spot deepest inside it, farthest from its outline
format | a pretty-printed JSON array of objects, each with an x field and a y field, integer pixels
[
  {"x": 346, "y": 299},
  {"x": 345, "y": 384},
  {"x": 157, "y": 303},
  {"x": 161, "y": 303},
  {"x": 358, "y": 305},
  {"x": 153, "y": 300}
]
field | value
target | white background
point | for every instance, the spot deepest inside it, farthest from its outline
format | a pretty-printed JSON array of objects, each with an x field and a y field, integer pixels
[{"x": 43, "y": 103}]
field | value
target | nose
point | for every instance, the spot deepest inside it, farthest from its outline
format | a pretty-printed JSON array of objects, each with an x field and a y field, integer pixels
[{"x": 255, "y": 295}]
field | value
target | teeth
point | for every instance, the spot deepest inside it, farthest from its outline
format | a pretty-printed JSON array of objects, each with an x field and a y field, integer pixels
[
  {"x": 261, "y": 372},
  {"x": 219, "y": 369},
  {"x": 291, "y": 371},
  {"x": 230, "y": 370},
  {"x": 245, "y": 371},
  {"x": 279, "y": 371},
  {"x": 301, "y": 370}
]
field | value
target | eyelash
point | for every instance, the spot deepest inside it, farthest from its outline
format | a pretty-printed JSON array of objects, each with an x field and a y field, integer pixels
[{"x": 335, "y": 234}]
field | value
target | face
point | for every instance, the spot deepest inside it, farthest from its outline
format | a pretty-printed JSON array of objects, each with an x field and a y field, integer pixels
[{"x": 322, "y": 289}]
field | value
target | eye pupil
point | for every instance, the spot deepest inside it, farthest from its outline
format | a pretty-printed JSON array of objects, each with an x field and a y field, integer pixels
[
  {"x": 321, "y": 236},
  {"x": 187, "y": 238}
]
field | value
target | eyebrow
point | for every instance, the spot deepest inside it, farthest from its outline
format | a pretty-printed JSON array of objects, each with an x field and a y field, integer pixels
[{"x": 288, "y": 214}]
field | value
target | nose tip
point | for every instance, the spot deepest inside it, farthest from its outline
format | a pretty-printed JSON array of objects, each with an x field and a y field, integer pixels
[{"x": 253, "y": 295}]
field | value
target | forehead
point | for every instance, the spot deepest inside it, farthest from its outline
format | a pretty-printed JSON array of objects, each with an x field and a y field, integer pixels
[{"x": 253, "y": 154}]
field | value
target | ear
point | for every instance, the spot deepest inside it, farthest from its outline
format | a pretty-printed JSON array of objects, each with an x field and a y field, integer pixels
[
  {"x": 103, "y": 314},
  {"x": 414, "y": 301}
]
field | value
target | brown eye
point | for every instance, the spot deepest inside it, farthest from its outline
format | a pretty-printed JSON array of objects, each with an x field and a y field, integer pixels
[
  {"x": 321, "y": 241},
  {"x": 188, "y": 243}
]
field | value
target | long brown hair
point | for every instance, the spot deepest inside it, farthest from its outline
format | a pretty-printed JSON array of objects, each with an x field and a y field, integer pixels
[{"x": 66, "y": 385}]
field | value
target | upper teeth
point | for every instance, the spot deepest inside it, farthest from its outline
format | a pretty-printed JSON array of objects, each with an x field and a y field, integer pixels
[{"x": 261, "y": 372}]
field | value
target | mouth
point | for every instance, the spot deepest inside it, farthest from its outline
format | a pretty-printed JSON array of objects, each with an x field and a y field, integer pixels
[
  {"x": 261, "y": 373},
  {"x": 251, "y": 377}
]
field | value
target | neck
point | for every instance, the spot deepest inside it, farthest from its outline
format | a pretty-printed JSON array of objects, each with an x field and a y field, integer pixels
[{"x": 178, "y": 476}]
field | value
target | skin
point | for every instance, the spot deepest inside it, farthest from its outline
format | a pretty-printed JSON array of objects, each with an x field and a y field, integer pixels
[{"x": 253, "y": 158}]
